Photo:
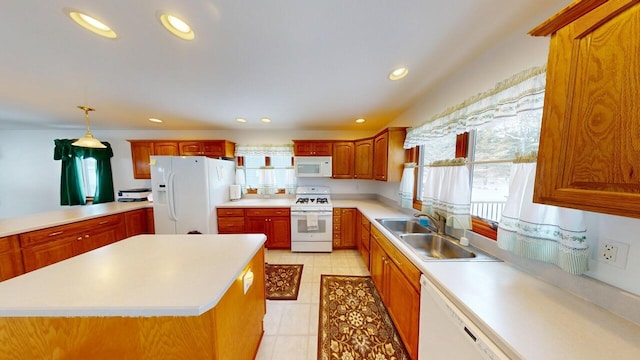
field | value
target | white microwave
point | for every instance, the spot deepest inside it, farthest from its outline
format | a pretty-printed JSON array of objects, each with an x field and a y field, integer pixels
[{"x": 313, "y": 166}]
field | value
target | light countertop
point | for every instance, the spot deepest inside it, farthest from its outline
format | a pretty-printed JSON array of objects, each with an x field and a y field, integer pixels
[
  {"x": 144, "y": 275},
  {"x": 528, "y": 318}
]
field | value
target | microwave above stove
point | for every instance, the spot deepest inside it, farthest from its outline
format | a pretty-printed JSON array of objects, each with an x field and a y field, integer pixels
[{"x": 313, "y": 166}]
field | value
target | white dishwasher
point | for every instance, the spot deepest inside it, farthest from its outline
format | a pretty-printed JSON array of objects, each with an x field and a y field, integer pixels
[{"x": 446, "y": 333}]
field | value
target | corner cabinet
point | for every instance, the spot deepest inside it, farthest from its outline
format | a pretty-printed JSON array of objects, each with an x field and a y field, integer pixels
[
  {"x": 398, "y": 282},
  {"x": 589, "y": 144},
  {"x": 389, "y": 155},
  {"x": 363, "y": 159},
  {"x": 343, "y": 158}
]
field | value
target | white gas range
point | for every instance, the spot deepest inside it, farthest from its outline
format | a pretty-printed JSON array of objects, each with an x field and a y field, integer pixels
[{"x": 312, "y": 220}]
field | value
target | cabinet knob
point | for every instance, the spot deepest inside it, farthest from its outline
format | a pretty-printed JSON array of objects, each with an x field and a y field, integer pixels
[{"x": 79, "y": 238}]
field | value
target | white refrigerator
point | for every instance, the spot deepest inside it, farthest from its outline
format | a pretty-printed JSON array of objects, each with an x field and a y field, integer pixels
[{"x": 186, "y": 190}]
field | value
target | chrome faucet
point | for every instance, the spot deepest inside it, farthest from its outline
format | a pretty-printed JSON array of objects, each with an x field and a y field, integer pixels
[{"x": 439, "y": 221}]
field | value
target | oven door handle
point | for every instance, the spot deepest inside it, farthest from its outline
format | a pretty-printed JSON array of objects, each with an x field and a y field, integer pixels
[{"x": 304, "y": 213}]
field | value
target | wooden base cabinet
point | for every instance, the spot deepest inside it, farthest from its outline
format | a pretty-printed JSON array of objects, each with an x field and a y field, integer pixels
[
  {"x": 231, "y": 221},
  {"x": 274, "y": 222},
  {"x": 398, "y": 282},
  {"x": 47, "y": 246},
  {"x": 344, "y": 228},
  {"x": 363, "y": 227},
  {"x": 10, "y": 257},
  {"x": 230, "y": 330}
]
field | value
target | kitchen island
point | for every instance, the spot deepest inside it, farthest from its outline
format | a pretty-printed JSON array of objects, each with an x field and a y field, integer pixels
[{"x": 145, "y": 297}]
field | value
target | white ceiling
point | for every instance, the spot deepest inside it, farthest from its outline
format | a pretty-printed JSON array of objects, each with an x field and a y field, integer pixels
[{"x": 306, "y": 64}]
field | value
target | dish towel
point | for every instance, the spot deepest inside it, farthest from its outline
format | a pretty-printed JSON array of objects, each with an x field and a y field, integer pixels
[{"x": 312, "y": 221}]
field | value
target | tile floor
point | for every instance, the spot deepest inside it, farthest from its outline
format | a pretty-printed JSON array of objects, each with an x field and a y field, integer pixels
[{"x": 291, "y": 326}]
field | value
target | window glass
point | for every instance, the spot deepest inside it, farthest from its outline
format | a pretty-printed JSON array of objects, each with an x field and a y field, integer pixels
[
  {"x": 89, "y": 176},
  {"x": 442, "y": 148},
  {"x": 254, "y": 162},
  {"x": 499, "y": 140}
]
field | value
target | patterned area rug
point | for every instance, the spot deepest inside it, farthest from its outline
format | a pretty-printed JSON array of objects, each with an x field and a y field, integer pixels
[
  {"x": 282, "y": 282},
  {"x": 354, "y": 324}
]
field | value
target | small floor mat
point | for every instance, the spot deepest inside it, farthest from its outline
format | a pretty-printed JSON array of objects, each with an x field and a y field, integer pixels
[{"x": 282, "y": 281}]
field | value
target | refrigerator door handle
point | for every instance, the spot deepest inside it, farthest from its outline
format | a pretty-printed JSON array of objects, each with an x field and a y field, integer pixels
[{"x": 170, "y": 198}]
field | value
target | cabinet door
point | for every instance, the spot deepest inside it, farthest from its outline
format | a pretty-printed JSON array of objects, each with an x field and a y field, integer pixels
[
  {"x": 280, "y": 233},
  {"x": 589, "y": 148},
  {"x": 140, "y": 156},
  {"x": 100, "y": 232},
  {"x": 136, "y": 222},
  {"x": 151, "y": 228},
  {"x": 41, "y": 255},
  {"x": 380, "y": 157},
  {"x": 403, "y": 303},
  {"x": 257, "y": 225},
  {"x": 378, "y": 262},
  {"x": 213, "y": 148},
  {"x": 10, "y": 258},
  {"x": 343, "y": 159},
  {"x": 348, "y": 228},
  {"x": 312, "y": 148},
  {"x": 166, "y": 148},
  {"x": 363, "y": 168},
  {"x": 190, "y": 148}
]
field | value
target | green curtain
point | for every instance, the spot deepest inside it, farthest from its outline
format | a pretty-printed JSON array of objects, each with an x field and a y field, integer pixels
[{"x": 71, "y": 182}]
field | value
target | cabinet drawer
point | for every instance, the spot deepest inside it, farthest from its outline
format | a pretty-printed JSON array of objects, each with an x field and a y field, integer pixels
[
  {"x": 336, "y": 220},
  {"x": 268, "y": 212},
  {"x": 230, "y": 212},
  {"x": 336, "y": 212},
  {"x": 56, "y": 232},
  {"x": 231, "y": 225}
]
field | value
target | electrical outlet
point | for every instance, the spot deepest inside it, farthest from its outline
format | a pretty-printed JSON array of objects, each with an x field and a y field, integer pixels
[{"x": 613, "y": 253}]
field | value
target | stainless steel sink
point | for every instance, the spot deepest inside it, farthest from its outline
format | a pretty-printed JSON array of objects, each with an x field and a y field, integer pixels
[
  {"x": 404, "y": 226},
  {"x": 436, "y": 246},
  {"x": 431, "y": 246}
]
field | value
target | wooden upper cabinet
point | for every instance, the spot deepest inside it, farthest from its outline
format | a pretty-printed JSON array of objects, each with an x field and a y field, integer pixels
[
  {"x": 141, "y": 151},
  {"x": 166, "y": 148},
  {"x": 343, "y": 160},
  {"x": 312, "y": 148},
  {"x": 590, "y": 138},
  {"x": 363, "y": 159},
  {"x": 213, "y": 148},
  {"x": 389, "y": 155}
]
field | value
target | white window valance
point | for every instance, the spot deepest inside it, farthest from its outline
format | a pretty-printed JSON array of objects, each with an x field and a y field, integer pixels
[
  {"x": 264, "y": 150},
  {"x": 523, "y": 92}
]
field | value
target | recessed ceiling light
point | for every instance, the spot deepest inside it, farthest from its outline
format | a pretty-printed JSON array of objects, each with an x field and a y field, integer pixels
[
  {"x": 155, "y": 120},
  {"x": 265, "y": 120},
  {"x": 360, "y": 121},
  {"x": 177, "y": 26},
  {"x": 398, "y": 73},
  {"x": 241, "y": 120},
  {"x": 91, "y": 23}
]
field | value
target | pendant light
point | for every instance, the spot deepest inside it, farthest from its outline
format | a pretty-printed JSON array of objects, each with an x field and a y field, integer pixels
[{"x": 88, "y": 140}]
